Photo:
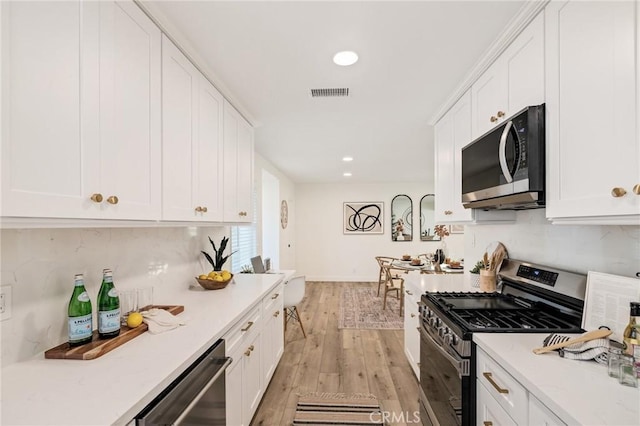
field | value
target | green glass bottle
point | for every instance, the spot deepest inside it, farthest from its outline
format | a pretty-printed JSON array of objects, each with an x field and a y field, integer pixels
[
  {"x": 108, "y": 307},
  {"x": 79, "y": 314}
]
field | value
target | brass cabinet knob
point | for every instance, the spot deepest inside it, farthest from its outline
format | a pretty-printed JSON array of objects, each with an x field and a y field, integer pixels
[
  {"x": 247, "y": 352},
  {"x": 618, "y": 192},
  {"x": 413, "y": 315},
  {"x": 199, "y": 209},
  {"x": 242, "y": 213},
  {"x": 204, "y": 210},
  {"x": 493, "y": 119},
  {"x": 636, "y": 189},
  {"x": 275, "y": 296},
  {"x": 487, "y": 423},
  {"x": 112, "y": 200},
  {"x": 448, "y": 212},
  {"x": 96, "y": 198},
  {"x": 500, "y": 114},
  {"x": 276, "y": 313}
]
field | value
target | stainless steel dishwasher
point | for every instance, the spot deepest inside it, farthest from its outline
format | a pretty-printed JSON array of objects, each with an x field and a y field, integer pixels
[{"x": 196, "y": 397}]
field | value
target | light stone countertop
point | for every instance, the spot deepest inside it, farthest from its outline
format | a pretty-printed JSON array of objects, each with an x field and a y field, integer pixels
[
  {"x": 579, "y": 392},
  {"x": 115, "y": 387},
  {"x": 438, "y": 282}
]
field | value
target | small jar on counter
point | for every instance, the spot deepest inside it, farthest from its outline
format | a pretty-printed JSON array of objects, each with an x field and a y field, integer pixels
[
  {"x": 628, "y": 374},
  {"x": 613, "y": 358}
]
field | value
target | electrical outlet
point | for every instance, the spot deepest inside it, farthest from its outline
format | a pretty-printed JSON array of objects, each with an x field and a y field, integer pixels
[{"x": 5, "y": 302}]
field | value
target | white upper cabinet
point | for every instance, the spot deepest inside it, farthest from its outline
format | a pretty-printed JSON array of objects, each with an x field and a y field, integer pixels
[
  {"x": 192, "y": 141},
  {"x": 81, "y": 111},
  {"x": 593, "y": 142},
  {"x": 452, "y": 132},
  {"x": 238, "y": 167},
  {"x": 515, "y": 80}
]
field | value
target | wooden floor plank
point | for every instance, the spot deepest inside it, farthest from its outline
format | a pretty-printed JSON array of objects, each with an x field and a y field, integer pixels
[{"x": 337, "y": 360}]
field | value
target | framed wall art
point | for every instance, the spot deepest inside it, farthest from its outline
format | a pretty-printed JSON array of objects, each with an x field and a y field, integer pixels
[{"x": 363, "y": 218}]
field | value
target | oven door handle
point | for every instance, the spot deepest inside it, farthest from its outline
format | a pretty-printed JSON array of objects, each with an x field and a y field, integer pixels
[
  {"x": 200, "y": 394},
  {"x": 457, "y": 364}
]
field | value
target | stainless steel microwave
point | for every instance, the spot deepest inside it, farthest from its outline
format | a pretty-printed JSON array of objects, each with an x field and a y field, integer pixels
[{"x": 505, "y": 167}]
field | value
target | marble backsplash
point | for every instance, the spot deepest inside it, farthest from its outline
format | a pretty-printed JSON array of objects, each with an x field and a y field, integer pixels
[{"x": 40, "y": 264}]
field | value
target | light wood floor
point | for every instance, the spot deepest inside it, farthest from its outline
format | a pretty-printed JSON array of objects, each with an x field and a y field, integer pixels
[{"x": 337, "y": 360}]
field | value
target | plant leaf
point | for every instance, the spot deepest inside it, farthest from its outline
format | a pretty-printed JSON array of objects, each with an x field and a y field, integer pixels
[{"x": 209, "y": 259}]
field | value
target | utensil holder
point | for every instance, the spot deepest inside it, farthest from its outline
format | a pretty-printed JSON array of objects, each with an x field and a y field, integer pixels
[{"x": 487, "y": 281}]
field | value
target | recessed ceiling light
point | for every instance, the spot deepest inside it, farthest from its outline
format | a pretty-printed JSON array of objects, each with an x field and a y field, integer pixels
[
  {"x": 347, "y": 159},
  {"x": 345, "y": 58},
  {"x": 346, "y": 174}
]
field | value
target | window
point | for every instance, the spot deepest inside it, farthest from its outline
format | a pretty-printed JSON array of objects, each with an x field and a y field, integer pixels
[{"x": 243, "y": 239}]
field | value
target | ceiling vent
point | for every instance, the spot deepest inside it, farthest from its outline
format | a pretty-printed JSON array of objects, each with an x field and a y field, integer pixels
[{"x": 330, "y": 93}]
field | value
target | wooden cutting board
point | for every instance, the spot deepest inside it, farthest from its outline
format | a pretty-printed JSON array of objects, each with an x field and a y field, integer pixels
[{"x": 98, "y": 346}]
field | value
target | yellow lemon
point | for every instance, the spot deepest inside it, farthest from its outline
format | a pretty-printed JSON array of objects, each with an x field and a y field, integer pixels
[
  {"x": 202, "y": 277},
  {"x": 226, "y": 275},
  {"x": 134, "y": 319},
  {"x": 213, "y": 274},
  {"x": 219, "y": 278}
]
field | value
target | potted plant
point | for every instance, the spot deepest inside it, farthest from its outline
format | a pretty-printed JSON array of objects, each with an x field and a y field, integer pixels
[
  {"x": 475, "y": 273},
  {"x": 219, "y": 260}
]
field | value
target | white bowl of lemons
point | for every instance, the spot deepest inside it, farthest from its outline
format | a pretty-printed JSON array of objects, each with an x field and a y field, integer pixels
[{"x": 215, "y": 280}]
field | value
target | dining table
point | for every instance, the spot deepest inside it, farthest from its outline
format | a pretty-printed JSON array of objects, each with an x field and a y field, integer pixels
[{"x": 426, "y": 267}]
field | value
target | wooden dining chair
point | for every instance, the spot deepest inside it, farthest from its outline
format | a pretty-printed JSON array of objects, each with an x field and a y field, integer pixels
[
  {"x": 393, "y": 282},
  {"x": 382, "y": 261}
]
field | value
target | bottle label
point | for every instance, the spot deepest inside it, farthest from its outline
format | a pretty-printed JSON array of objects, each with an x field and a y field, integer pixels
[
  {"x": 80, "y": 328},
  {"x": 113, "y": 292},
  {"x": 83, "y": 297},
  {"x": 109, "y": 321}
]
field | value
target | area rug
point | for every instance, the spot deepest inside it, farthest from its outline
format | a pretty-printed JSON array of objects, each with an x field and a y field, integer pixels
[
  {"x": 337, "y": 409},
  {"x": 361, "y": 308}
]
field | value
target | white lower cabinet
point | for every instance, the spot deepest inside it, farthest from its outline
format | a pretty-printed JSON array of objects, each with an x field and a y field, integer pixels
[
  {"x": 502, "y": 400},
  {"x": 255, "y": 343},
  {"x": 411, "y": 328}
]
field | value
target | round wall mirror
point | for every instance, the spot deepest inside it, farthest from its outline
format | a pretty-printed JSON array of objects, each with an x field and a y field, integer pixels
[
  {"x": 401, "y": 218},
  {"x": 427, "y": 219}
]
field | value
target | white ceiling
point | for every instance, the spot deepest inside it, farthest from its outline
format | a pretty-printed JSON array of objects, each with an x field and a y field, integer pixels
[{"x": 412, "y": 57}]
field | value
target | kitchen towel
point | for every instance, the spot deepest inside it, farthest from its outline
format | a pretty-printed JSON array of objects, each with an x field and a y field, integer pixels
[
  {"x": 595, "y": 349},
  {"x": 159, "y": 320}
]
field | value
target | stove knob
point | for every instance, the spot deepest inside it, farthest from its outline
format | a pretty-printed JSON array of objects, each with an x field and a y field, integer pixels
[
  {"x": 448, "y": 338},
  {"x": 454, "y": 339}
]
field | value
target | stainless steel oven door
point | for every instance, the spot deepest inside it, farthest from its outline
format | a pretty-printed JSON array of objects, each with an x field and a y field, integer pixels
[{"x": 444, "y": 381}]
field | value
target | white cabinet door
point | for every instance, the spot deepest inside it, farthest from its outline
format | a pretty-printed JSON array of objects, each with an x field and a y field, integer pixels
[
  {"x": 45, "y": 169},
  {"x": 540, "y": 415},
  {"x": 238, "y": 167},
  {"x": 272, "y": 333},
  {"x": 192, "y": 141},
  {"x": 593, "y": 146},
  {"x": 488, "y": 411},
  {"x": 411, "y": 333},
  {"x": 209, "y": 153},
  {"x": 252, "y": 377},
  {"x": 233, "y": 396},
  {"x": 515, "y": 80},
  {"x": 129, "y": 112}
]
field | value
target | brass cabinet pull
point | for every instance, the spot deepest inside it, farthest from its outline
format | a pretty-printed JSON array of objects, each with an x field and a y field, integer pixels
[
  {"x": 276, "y": 313},
  {"x": 618, "y": 192},
  {"x": 494, "y": 384},
  {"x": 487, "y": 423},
  {"x": 198, "y": 209},
  {"x": 249, "y": 324},
  {"x": 112, "y": 200},
  {"x": 418, "y": 328},
  {"x": 500, "y": 114},
  {"x": 275, "y": 296},
  {"x": 96, "y": 198},
  {"x": 413, "y": 315},
  {"x": 249, "y": 350},
  {"x": 409, "y": 293},
  {"x": 242, "y": 213},
  {"x": 636, "y": 189},
  {"x": 448, "y": 212},
  {"x": 493, "y": 119}
]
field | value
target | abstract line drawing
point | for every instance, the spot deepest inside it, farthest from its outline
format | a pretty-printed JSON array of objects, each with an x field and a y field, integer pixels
[{"x": 363, "y": 218}]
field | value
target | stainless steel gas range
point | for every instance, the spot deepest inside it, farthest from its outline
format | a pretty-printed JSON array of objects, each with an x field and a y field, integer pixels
[{"x": 531, "y": 299}]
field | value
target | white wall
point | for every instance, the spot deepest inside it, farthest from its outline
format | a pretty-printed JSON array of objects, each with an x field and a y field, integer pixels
[
  {"x": 40, "y": 264},
  {"x": 324, "y": 253},
  {"x": 287, "y": 192},
  {"x": 610, "y": 249}
]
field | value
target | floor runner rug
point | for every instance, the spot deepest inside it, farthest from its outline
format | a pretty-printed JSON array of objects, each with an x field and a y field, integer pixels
[
  {"x": 337, "y": 409},
  {"x": 361, "y": 308}
]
